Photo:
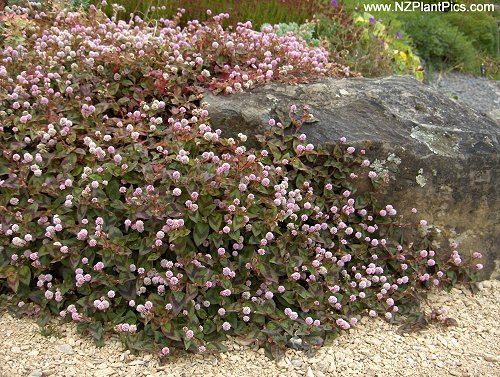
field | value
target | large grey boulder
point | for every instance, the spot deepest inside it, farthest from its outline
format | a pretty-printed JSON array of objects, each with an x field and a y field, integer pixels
[
  {"x": 477, "y": 92},
  {"x": 443, "y": 155}
]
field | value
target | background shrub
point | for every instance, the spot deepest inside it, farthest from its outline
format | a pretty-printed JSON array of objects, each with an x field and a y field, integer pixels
[
  {"x": 306, "y": 31},
  {"x": 480, "y": 28},
  {"x": 448, "y": 40},
  {"x": 258, "y": 12},
  {"x": 439, "y": 43},
  {"x": 396, "y": 47},
  {"x": 358, "y": 41}
]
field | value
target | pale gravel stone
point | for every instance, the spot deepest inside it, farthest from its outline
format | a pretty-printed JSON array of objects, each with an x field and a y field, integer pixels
[
  {"x": 65, "y": 348},
  {"x": 296, "y": 363},
  {"x": 372, "y": 349},
  {"x": 310, "y": 373}
]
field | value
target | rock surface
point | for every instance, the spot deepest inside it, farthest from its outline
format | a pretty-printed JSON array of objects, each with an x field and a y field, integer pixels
[
  {"x": 373, "y": 348},
  {"x": 444, "y": 157},
  {"x": 474, "y": 91}
]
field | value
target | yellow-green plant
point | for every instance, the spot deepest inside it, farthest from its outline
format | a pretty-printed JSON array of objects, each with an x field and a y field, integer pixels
[{"x": 402, "y": 58}]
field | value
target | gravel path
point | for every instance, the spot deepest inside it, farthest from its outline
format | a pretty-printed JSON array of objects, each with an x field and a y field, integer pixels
[
  {"x": 477, "y": 92},
  {"x": 373, "y": 349}
]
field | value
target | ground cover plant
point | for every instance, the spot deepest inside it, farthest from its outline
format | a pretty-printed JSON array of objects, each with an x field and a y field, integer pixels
[
  {"x": 122, "y": 208},
  {"x": 380, "y": 43}
]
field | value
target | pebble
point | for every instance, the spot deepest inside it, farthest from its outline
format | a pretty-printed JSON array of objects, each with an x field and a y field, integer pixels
[
  {"x": 297, "y": 363},
  {"x": 374, "y": 341},
  {"x": 487, "y": 284},
  {"x": 282, "y": 364},
  {"x": 136, "y": 362},
  {"x": 104, "y": 372},
  {"x": 439, "y": 363},
  {"x": 65, "y": 348},
  {"x": 492, "y": 359}
]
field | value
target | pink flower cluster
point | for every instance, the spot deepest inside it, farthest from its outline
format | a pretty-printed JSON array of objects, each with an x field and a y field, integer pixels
[{"x": 125, "y": 327}]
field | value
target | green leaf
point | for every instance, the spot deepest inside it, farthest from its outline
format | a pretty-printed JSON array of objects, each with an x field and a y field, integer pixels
[
  {"x": 238, "y": 222},
  {"x": 299, "y": 165},
  {"x": 69, "y": 162},
  {"x": 274, "y": 351},
  {"x": 235, "y": 235},
  {"x": 114, "y": 233},
  {"x": 299, "y": 181},
  {"x": 258, "y": 229},
  {"x": 12, "y": 277},
  {"x": 96, "y": 330},
  {"x": 275, "y": 151},
  {"x": 112, "y": 189},
  {"x": 452, "y": 275},
  {"x": 127, "y": 288},
  {"x": 200, "y": 234},
  {"x": 289, "y": 297},
  {"x": 311, "y": 157},
  {"x": 144, "y": 247},
  {"x": 4, "y": 167},
  {"x": 154, "y": 255},
  {"x": 179, "y": 233},
  {"x": 206, "y": 205},
  {"x": 187, "y": 343},
  {"x": 269, "y": 308},
  {"x": 215, "y": 221},
  {"x": 268, "y": 272},
  {"x": 25, "y": 275},
  {"x": 296, "y": 261},
  {"x": 311, "y": 120},
  {"x": 301, "y": 291},
  {"x": 209, "y": 327},
  {"x": 221, "y": 60},
  {"x": 124, "y": 100},
  {"x": 43, "y": 320},
  {"x": 113, "y": 89},
  {"x": 177, "y": 301},
  {"x": 361, "y": 202}
]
